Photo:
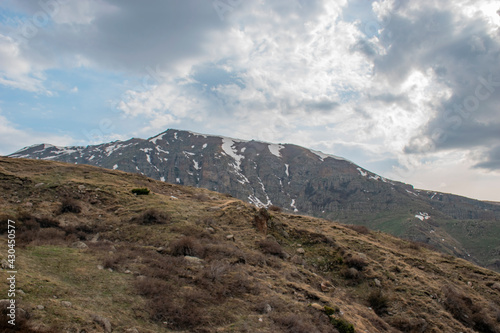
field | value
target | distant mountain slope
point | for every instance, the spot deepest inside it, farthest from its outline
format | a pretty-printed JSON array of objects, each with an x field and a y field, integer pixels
[
  {"x": 302, "y": 181},
  {"x": 93, "y": 257}
]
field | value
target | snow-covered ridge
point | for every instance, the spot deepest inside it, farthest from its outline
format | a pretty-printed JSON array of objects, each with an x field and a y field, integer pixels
[{"x": 323, "y": 156}]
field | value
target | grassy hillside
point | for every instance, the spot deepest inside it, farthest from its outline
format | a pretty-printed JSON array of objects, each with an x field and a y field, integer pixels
[{"x": 93, "y": 256}]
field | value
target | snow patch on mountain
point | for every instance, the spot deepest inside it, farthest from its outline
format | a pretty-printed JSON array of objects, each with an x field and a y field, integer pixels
[
  {"x": 229, "y": 149},
  {"x": 158, "y": 137},
  {"x": 422, "y": 216},
  {"x": 363, "y": 173},
  {"x": 275, "y": 149}
]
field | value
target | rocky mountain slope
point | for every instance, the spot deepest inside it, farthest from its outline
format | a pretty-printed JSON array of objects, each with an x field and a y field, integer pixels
[
  {"x": 303, "y": 181},
  {"x": 92, "y": 256}
]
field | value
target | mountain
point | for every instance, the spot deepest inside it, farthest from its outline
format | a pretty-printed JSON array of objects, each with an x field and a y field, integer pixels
[
  {"x": 302, "y": 181},
  {"x": 92, "y": 256}
]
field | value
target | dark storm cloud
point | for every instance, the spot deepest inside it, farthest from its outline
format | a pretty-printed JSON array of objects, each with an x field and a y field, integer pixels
[
  {"x": 130, "y": 35},
  {"x": 463, "y": 56}
]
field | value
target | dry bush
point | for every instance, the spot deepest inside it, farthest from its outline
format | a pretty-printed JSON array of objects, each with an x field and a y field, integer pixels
[
  {"x": 468, "y": 312},
  {"x": 275, "y": 208},
  {"x": 294, "y": 323},
  {"x": 151, "y": 217},
  {"x": 407, "y": 325},
  {"x": 224, "y": 281},
  {"x": 355, "y": 261},
  {"x": 47, "y": 236},
  {"x": 201, "y": 197},
  {"x": 378, "y": 301},
  {"x": 187, "y": 246},
  {"x": 224, "y": 250},
  {"x": 69, "y": 205},
  {"x": 270, "y": 246},
  {"x": 360, "y": 229},
  {"x": 351, "y": 273},
  {"x": 310, "y": 321},
  {"x": 152, "y": 287}
]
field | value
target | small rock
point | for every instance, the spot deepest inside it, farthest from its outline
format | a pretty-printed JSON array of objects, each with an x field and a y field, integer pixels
[
  {"x": 100, "y": 267},
  {"x": 469, "y": 283},
  {"x": 210, "y": 230},
  {"x": 66, "y": 304},
  {"x": 193, "y": 260},
  {"x": 496, "y": 286},
  {"x": 39, "y": 184},
  {"x": 267, "y": 308},
  {"x": 141, "y": 277},
  {"x": 81, "y": 187},
  {"x": 28, "y": 204},
  {"x": 132, "y": 330},
  {"x": 301, "y": 250},
  {"x": 79, "y": 245},
  {"x": 284, "y": 233},
  {"x": 326, "y": 286},
  {"x": 104, "y": 322},
  {"x": 21, "y": 292},
  {"x": 128, "y": 272},
  {"x": 377, "y": 283},
  {"x": 110, "y": 269},
  {"x": 317, "y": 306},
  {"x": 260, "y": 319},
  {"x": 298, "y": 260},
  {"x": 161, "y": 249},
  {"x": 230, "y": 237},
  {"x": 5, "y": 264},
  {"x": 95, "y": 238},
  {"x": 40, "y": 307}
]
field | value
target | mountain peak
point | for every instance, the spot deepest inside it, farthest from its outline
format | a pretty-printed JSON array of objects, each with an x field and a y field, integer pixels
[{"x": 298, "y": 179}]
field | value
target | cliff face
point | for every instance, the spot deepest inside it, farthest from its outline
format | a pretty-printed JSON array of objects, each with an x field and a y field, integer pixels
[{"x": 299, "y": 180}]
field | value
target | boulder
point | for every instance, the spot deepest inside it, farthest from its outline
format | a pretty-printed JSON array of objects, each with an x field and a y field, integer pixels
[{"x": 104, "y": 322}]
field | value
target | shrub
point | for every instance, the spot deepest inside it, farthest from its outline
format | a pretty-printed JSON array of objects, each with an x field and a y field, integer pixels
[
  {"x": 275, "y": 208},
  {"x": 405, "y": 324},
  {"x": 351, "y": 273},
  {"x": 69, "y": 205},
  {"x": 186, "y": 246},
  {"x": 294, "y": 323},
  {"x": 378, "y": 301},
  {"x": 140, "y": 191},
  {"x": 150, "y": 217},
  {"x": 356, "y": 261},
  {"x": 331, "y": 310},
  {"x": 201, "y": 197},
  {"x": 342, "y": 325},
  {"x": 270, "y": 246},
  {"x": 361, "y": 229}
]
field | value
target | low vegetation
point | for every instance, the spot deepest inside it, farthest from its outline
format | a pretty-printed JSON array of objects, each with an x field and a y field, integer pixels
[{"x": 185, "y": 261}]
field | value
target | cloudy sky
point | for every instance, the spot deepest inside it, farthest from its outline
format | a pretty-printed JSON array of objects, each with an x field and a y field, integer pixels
[{"x": 407, "y": 89}]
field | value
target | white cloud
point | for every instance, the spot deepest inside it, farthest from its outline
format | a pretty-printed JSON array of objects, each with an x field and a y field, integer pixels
[
  {"x": 15, "y": 70},
  {"x": 12, "y": 138}
]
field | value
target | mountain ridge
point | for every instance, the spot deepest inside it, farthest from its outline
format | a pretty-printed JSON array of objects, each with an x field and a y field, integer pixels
[{"x": 301, "y": 181}]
